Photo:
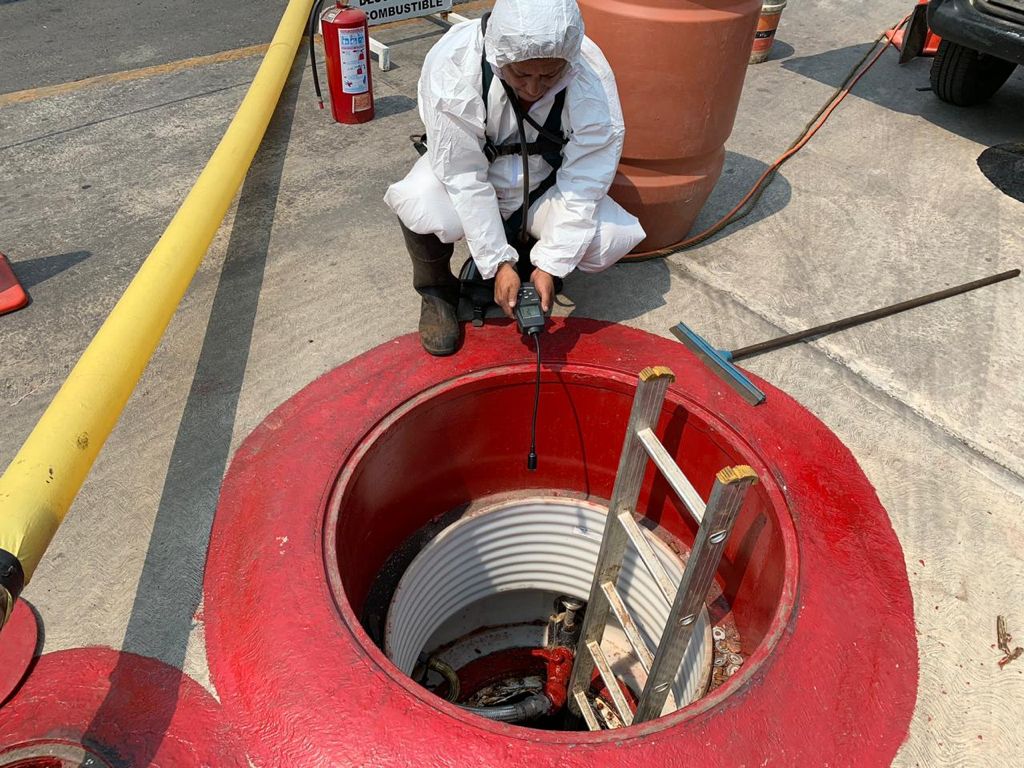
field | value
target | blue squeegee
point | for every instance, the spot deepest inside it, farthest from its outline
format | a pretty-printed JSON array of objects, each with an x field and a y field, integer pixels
[{"x": 720, "y": 361}]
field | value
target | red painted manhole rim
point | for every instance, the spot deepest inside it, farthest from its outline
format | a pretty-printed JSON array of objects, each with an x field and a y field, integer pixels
[
  {"x": 295, "y": 672},
  {"x": 18, "y": 642}
]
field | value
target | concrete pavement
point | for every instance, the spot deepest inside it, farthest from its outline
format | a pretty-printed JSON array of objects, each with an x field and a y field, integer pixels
[{"x": 309, "y": 270}]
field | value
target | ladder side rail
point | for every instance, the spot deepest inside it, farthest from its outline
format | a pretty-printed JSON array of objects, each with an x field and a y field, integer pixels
[
  {"x": 731, "y": 485},
  {"x": 647, "y": 403}
]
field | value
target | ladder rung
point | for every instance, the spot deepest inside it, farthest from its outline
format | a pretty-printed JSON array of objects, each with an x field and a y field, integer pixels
[
  {"x": 672, "y": 473},
  {"x": 646, "y": 552},
  {"x": 605, "y": 670},
  {"x": 643, "y": 653},
  {"x": 587, "y": 711}
]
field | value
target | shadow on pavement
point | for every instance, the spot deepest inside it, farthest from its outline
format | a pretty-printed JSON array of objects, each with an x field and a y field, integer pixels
[
  {"x": 897, "y": 88},
  {"x": 739, "y": 174},
  {"x": 1003, "y": 165},
  {"x": 630, "y": 290},
  {"x": 32, "y": 272},
  {"x": 780, "y": 50},
  {"x": 384, "y": 106},
  {"x": 170, "y": 587}
]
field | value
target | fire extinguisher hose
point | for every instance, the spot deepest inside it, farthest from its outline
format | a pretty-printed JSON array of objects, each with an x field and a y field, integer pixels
[
  {"x": 42, "y": 480},
  {"x": 314, "y": 17}
]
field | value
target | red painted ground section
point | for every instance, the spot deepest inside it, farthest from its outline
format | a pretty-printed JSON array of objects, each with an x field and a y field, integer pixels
[
  {"x": 130, "y": 710},
  {"x": 832, "y": 673},
  {"x": 18, "y": 641}
]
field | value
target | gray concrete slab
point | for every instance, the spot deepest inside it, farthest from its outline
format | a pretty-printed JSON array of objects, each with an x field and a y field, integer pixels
[
  {"x": 309, "y": 271},
  {"x": 45, "y": 43}
]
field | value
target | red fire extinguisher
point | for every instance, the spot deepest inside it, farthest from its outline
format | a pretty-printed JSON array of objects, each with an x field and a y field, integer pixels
[{"x": 347, "y": 47}]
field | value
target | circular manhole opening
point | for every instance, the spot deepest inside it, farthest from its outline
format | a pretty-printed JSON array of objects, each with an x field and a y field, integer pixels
[
  {"x": 334, "y": 483},
  {"x": 454, "y": 567}
]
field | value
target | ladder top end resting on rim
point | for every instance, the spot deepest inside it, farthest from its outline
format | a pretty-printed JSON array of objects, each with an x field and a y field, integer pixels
[
  {"x": 657, "y": 372},
  {"x": 730, "y": 475}
]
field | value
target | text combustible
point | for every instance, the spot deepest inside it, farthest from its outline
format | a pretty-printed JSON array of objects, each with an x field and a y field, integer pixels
[{"x": 400, "y": 9}]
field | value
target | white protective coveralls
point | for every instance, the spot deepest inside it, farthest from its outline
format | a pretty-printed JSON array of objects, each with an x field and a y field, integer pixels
[{"x": 454, "y": 192}]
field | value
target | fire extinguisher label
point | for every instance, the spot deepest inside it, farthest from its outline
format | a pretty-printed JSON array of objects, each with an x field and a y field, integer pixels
[{"x": 354, "y": 63}]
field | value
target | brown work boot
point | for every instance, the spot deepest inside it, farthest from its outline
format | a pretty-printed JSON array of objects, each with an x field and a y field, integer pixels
[
  {"x": 433, "y": 279},
  {"x": 439, "y": 328}
]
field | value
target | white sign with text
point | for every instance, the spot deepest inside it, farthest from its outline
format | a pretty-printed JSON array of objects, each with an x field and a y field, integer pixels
[{"x": 383, "y": 11}]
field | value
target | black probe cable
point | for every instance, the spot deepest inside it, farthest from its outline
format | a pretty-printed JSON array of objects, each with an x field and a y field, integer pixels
[
  {"x": 524, "y": 149},
  {"x": 523, "y": 233},
  {"x": 531, "y": 459}
]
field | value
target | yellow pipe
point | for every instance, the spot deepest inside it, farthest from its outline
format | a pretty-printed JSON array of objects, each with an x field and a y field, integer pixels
[{"x": 38, "y": 487}]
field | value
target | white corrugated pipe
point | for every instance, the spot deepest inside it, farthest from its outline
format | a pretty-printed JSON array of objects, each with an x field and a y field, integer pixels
[{"x": 540, "y": 544}]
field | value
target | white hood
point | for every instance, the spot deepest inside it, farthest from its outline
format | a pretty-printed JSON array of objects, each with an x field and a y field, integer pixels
[{"x": 519, "y": 30}]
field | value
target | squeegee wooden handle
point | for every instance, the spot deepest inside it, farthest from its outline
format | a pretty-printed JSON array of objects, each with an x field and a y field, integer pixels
[{"x": 867, "y": 317}]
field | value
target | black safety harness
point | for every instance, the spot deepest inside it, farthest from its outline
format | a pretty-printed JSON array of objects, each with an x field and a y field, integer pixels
[{"x": 548, "y": 144}]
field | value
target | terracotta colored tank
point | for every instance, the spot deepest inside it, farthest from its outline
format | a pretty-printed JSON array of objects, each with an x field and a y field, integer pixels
[{"x": 679, "y": 65}]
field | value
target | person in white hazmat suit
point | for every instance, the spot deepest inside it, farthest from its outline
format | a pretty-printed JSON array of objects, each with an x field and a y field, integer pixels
[{"x": 524, "y": 77}]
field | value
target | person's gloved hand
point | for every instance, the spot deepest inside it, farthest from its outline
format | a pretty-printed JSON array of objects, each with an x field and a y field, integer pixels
[
  {"x": 545, "y": 285},
  {"x": 506, "y": 287}
]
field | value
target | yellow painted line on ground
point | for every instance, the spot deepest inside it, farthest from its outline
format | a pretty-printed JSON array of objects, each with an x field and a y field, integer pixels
[
  {"x": 43, "y": 92},
  {"x": 32, "y": 94}
]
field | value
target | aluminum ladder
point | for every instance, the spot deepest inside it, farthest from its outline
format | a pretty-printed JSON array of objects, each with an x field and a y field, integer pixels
[{"x": 715, "y": 520}]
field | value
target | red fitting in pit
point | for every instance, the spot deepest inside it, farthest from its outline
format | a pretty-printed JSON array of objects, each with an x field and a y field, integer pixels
[{"x": 559, "y": 668}]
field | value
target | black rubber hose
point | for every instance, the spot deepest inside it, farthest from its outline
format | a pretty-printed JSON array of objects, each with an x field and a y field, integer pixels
[
  {"x": 314, "y": 16},
  {"x": 448, "y": 673},
  {"x": 533, "y": 706},
  {"x": 12, "y": 581}
]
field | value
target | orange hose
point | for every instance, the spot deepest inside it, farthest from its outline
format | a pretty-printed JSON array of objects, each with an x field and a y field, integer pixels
[{"x": 799, "y": 144}]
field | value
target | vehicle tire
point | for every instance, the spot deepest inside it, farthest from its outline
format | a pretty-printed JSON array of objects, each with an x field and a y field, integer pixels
[{"x": 965, "y": 77}]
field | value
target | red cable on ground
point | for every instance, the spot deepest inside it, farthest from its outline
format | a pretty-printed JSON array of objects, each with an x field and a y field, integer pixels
[{"x": 765, "y": 179}]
